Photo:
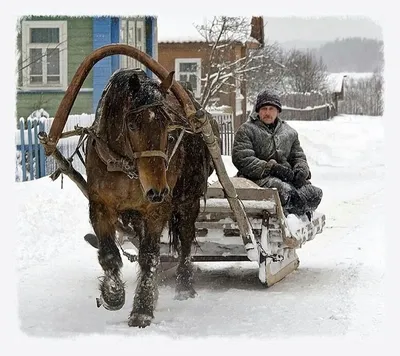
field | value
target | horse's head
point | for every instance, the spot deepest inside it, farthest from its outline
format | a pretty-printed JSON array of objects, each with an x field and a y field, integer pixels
[{"x": 146, "y": 125}]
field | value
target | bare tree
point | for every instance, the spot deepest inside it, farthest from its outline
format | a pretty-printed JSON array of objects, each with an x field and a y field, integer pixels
[
  {"x": 363, "y": 96},
  {"x": 270, "y": 61},
  {"x": 225, "y": 67},
  {"x": 304, "y": 73},
  {"x": 38, "y": 59}
]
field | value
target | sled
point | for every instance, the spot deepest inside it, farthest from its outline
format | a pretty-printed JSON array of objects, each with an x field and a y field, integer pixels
[
  {"x": 277, "y": 239},
  {"x": 218, "y": 236}
]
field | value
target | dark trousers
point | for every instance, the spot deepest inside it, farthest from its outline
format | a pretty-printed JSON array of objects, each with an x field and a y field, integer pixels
[{"x": 294, "y": 200}]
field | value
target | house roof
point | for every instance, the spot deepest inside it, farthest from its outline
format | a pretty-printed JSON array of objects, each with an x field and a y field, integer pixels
[
  {"x": 181, "y": 40},
  {"x": 186, "y": 32},
  {"x": 175, "y": 29},
  {"x": 193, "y": 40},
  {"x": 335, "y": 80}
]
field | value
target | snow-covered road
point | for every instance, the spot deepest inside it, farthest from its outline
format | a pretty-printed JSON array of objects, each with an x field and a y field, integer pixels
[{"x": 336, "y": 292}]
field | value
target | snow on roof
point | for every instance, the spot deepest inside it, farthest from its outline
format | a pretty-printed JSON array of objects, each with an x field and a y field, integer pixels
[
  {"x": 356, "y": 75},
  {"x": 196, "y": 40},
  {"x": 335, "y": 80},
  {"x": 171, "y": 28},
  {"x": 181, "y": 39},
  {"x": 169, "y": 32}
]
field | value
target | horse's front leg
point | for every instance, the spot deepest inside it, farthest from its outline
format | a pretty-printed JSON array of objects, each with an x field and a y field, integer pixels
[
  {"x": 185, "y": 220},
  {"x": 112, "y": 290},
  {"x": 146, "y": 294}
]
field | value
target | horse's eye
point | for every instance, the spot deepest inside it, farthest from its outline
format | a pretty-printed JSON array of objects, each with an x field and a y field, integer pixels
[
  {"x": 132, "y": 126},
  {"x": 171, "y": 138}
]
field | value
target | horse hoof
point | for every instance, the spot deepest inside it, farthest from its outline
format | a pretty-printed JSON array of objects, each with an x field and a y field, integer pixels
[
  {"x": 140, "y": 320},
  {"x": 92, "y": 240},
  {"x": 112, "y": 296},
  {"x": 112, "y": 307},
  {"x": 185, "y": 294}
]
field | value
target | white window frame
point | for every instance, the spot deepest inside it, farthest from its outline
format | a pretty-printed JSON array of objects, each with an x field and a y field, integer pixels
[
  {"x": 129, "y": 30},
  {"x": 63, "y": 47},
  {"x": 197, "y": 92}
]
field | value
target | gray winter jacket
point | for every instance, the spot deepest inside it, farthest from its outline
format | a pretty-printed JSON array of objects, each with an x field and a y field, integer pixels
[{"x": 256, "y": 148}]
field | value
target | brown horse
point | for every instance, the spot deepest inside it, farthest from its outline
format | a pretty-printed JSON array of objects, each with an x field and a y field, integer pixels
[{"x": 142, "y": 161}]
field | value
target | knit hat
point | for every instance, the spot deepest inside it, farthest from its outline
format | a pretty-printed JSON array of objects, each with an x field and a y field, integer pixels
[{"x": 268, "y": 97}]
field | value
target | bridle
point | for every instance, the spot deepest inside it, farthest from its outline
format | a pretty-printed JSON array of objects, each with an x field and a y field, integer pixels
[
  {"x": 128, "y": 164},
  {"x": 158, "y": 106}
]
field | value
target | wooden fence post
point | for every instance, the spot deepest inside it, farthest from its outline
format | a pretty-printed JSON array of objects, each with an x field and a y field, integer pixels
[{"x": 22, "y": 146}]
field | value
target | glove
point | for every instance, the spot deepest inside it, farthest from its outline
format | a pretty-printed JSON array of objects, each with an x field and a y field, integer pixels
[
  {"x": 300, "y": 176},
  {"x": 282, "y": 172}
]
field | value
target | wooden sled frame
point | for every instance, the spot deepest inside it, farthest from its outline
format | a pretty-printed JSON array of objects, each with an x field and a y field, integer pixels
[
  {"x": 218, "y": 236},
  {"x": 263, "y": 208}
]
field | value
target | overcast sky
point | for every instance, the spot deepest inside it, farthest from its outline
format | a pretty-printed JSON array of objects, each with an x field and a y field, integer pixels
[
  {"x": 284, "y": 29},
  {"x": 280, "y": 29}
]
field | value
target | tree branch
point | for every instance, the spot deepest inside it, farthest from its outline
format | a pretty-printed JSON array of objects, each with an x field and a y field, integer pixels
[{"x": 39, "y": 58}]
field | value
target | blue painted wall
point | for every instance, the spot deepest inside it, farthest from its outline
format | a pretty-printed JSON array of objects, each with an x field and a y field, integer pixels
[
  {"x": 105, "y": 31},
  {"x": 150, "y": 40},
  {"x": 114, "y": 39}
]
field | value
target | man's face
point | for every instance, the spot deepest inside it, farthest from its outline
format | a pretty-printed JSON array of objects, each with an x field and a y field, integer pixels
[{"x": 268, "y": 114}]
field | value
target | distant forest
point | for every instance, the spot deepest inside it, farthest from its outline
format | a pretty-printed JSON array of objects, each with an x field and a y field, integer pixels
[{"x": 354, "y": 54}]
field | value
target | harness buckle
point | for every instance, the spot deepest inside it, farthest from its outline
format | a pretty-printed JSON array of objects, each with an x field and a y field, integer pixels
[{"x": 132, "y": 175}]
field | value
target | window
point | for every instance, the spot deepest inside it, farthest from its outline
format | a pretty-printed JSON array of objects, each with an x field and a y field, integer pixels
[
  {"x": 189, "y": 70},
  {"x": 44, "y": 54},
  {"x": 132, "y": 32}
]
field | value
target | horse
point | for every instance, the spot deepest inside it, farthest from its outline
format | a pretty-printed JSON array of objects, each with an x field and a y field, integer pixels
[{"x": 145, "y": 164}]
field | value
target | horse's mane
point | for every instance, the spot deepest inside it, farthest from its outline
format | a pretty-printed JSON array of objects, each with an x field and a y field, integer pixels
[{"x": 127, "y": 90}]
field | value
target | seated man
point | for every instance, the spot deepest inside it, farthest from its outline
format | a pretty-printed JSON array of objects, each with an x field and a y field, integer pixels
[{"x": 267, "y": 151}]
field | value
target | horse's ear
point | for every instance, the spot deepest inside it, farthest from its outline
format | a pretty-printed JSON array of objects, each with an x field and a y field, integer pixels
[
  {"x": 167, "y": 83},
  {"x": 134, "y": 83}
]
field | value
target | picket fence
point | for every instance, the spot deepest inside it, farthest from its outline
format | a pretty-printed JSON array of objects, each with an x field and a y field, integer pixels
[{"x": 32, "y": 163}]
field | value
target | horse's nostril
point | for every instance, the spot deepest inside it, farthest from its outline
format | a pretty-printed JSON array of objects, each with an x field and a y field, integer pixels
[
  {"x": 156, "y": 196},
  {"x": 151, "y": 194}
]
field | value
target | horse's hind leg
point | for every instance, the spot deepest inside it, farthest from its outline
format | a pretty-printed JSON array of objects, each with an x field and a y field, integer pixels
[
  {"x": 184, "y": 226},
  {"x": 112, "y": 290}
]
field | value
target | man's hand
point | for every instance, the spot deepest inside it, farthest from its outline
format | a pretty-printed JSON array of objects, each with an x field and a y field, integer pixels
[
  {"x": 300, "y": 176},
  {"x": 282, "y": 172}
]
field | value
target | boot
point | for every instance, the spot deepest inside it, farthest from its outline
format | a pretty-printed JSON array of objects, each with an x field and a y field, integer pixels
[
  {"x": 311, "y": 195},
  {"x": 296, "y": 203}
]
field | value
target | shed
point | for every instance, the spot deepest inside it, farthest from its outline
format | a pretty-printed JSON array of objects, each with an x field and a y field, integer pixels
[{"x": 335, "y": 86}]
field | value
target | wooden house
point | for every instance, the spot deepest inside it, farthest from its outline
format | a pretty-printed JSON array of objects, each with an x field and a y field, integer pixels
[
  {"x": 189, "y": 58},
  {"x": 51, "y": 48}
]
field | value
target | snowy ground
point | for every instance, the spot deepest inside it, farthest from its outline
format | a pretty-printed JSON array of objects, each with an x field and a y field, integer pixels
[{"x": 337, "y": 292}]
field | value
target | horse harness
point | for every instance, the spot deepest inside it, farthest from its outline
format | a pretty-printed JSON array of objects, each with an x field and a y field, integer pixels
[{"x": 116, "y": 162}]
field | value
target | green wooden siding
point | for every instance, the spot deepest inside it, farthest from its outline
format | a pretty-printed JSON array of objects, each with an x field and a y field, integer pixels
[
  {"x": 29, "y": 102},
  {"x": 80, "y": 44}
]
